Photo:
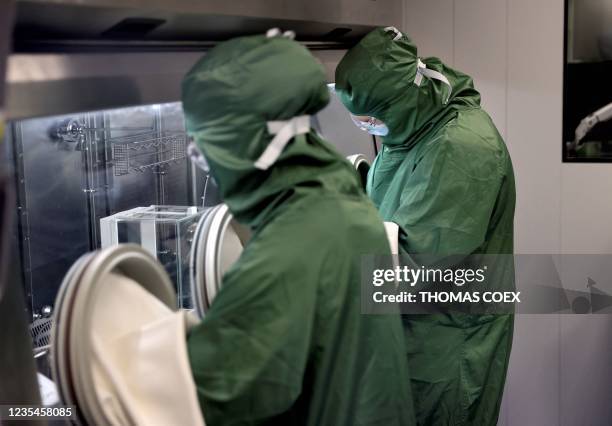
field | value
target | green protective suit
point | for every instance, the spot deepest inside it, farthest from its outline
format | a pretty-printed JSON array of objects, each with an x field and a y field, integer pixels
[
  {"x": 284, "y": 341},
  {"x": 445, "y": 177}
]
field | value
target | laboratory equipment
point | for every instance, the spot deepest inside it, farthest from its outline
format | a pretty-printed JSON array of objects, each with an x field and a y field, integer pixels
[
  {"x": 73, "y": 170},
  {"x": 362, "y": 165},
  {"x": 166, "y": 232},
  {"x": 110, "y": 303},
  {"x": 218, "y": 243}
]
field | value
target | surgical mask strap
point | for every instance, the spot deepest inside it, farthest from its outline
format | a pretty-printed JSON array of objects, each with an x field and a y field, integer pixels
[
  {"x": 284, "y": 131},
  {"x": 422, "y": 70}
]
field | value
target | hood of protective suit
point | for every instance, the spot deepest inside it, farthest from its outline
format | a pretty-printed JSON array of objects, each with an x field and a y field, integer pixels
[
  {"x": 231, "y": 94},
  {"x": 377, "y": 78}
]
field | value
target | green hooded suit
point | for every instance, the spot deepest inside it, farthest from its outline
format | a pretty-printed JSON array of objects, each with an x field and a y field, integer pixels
[
  {"x": 445, "y": 177},
  {"x": 284, "y": 341}
]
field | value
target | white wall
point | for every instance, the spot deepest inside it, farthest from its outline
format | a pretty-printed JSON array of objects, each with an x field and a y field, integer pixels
[{"x": 560, "y": 368}]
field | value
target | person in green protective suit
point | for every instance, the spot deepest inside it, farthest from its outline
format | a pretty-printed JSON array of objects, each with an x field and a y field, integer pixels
[
  {"x": 284, "y": 341},
  {"x": 444, "y": 176}
]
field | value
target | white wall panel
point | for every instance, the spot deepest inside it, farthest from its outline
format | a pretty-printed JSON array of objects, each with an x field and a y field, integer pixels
[
  {"x": 535, "y": 67},
  {"x": 480, "y": 51},
  {"x": 430, "y": 25},
  {"x": 534, "y": 94},
  {"x": 532, "y": 389},
  {"x": 586, "y": 370},
  {"x": 586, "y": 213},
  {"x": 586, "y": 344}
]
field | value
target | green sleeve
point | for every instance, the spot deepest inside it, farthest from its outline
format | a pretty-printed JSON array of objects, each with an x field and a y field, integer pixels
[
  {"x": 447, "y": 200},
  {"x": 249, "y": 354}
]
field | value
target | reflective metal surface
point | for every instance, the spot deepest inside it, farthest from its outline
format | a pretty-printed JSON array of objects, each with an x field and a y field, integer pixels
[
  {"x": 97, "y": 54},
  {"x": 186, "y": 20},
  {"x": 52, "y": 84},
  {"x": 67, "y": 184},
  {"x": 7, "y": 202},
  {"x": 42, "y": 85},
  {"x": 7, "y": 10},
  {"x": 17, "y": 366}
]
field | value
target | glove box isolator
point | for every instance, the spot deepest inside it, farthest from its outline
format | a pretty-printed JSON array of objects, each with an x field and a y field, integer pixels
[
  {"x": 118, "y": 341},
  {"x": 195, "y": 245},
  {"x": 218, "y": 243}
]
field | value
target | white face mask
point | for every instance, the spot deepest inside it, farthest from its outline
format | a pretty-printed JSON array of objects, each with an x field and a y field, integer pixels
[{"x": 371, "y": 125}]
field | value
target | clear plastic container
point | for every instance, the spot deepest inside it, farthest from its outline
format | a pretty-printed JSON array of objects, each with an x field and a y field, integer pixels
[{"x": 164, "y": 231}]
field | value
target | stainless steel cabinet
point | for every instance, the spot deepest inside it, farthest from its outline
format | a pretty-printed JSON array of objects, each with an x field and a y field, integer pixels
[{"x": 73, "y": 170}]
